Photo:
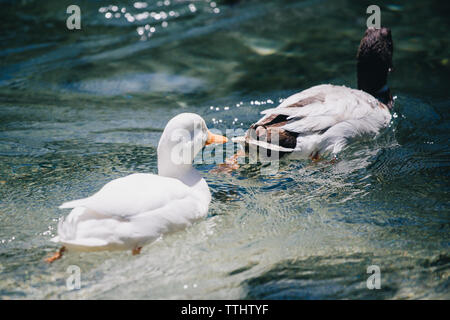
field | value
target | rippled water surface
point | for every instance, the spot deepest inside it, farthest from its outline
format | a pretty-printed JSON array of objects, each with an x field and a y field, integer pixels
[{"x": 79, "y": 108}]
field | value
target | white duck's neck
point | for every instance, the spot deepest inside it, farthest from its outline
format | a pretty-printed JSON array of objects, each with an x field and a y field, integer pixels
[
  {"x": 183, "y": 172},
  {"x": 167, "y": 168}
]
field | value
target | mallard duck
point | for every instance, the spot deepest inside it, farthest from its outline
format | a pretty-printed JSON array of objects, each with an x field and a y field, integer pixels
[
  {"x": 323, "y": 119},
  {"x": 134, "y": 210}
]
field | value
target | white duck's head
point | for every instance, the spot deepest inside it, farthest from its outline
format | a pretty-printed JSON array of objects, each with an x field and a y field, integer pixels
[{"x": 184, "y": 136}]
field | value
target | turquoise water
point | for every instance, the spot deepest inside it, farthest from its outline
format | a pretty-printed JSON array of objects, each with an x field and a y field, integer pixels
[{"x": 80, "y": 108}]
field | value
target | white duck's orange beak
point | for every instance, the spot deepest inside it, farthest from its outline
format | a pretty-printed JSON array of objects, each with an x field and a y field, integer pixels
[{"x": 215, "y": 138}]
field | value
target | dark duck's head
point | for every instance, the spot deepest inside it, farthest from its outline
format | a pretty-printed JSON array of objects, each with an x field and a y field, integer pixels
[{"x": 375, "y": 62}]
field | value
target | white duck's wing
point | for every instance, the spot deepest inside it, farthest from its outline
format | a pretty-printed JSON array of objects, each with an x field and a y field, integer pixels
[
  {"x": 86, "y": 230},
  {"x": 132, "y": 195},
  {"x": 129, "y": 212}
]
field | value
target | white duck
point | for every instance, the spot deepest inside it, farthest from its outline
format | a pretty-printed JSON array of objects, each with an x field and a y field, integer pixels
[
  {"x": 323, "y": 119},
  {"x": 134, "y": 210}
]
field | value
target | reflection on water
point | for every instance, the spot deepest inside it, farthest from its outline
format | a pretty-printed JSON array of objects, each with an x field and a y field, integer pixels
[
  {"x": 132, "y": 83},
  {"x": 80, "y": 108}
]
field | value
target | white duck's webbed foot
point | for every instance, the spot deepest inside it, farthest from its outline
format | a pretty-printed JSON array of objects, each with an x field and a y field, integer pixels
[
  {"x": 56, "y": 256},
  {"x": 136, "y": 251}
]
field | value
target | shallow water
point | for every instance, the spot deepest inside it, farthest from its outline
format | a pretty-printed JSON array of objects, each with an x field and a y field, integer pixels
[{"x": 79, "y": 108}]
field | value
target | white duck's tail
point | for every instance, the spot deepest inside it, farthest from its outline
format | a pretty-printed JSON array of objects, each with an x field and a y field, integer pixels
[{"x": 67, "y": 227}]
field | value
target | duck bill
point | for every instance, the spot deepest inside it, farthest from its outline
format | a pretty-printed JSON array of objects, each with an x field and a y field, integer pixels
[{"x": 215, "y": 138}]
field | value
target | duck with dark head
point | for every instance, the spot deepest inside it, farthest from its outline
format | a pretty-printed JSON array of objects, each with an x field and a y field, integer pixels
[
  {"x": 322, "y": 120},
  {"x": 375, "y": 62}
]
